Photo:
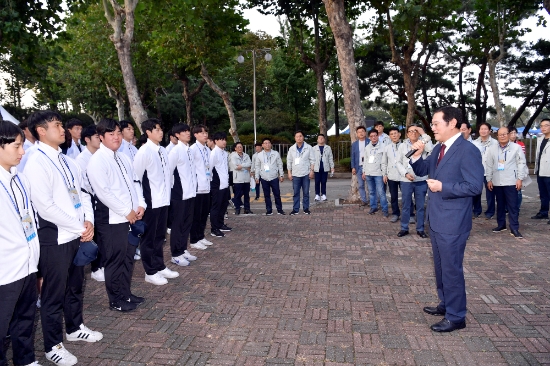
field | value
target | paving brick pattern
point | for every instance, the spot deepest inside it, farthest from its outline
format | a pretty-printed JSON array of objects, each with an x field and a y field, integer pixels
[{"x": 334, "y": 288}]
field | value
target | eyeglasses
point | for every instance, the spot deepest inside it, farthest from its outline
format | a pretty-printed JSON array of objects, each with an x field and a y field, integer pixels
[
  {"x": 545, "y": 125},
  {"x": 412, "y": 131},
  {"x": 502, "y": 135},
  {"x": 432, "y": 125}
]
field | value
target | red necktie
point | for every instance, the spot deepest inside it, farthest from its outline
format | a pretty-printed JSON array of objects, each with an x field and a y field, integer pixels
[{"x": 441, "y": 153}]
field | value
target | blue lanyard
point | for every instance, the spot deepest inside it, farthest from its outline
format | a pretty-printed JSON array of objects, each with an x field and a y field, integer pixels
[
  {"x": 13, "y": 202},
  {"x": 504, "y": 150},
  {"x": 392, "y": 149},
  {"x": 64, "y": 175},
  {"x": 267, "y": 157},
  {"x": 204, "y": 160}
]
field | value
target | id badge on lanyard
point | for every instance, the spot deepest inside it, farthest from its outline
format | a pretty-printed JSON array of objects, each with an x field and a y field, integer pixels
[
  {"x": 296, "y": 161},
  {"x": 207, "y": 171},
  {"x": 266, "y": 167},
  {"x": 28, "y": 227},
  {"x": 371, "y": 159},
  {"x": 75, "y": 198},
  {"x": 501, "y": 164}
]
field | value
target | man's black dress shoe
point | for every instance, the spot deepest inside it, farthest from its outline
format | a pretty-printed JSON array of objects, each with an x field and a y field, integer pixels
[
  {"x": 499, "y": 229},
  {"x": 403, "y": 233},
  {"x": 434, "y": 310},
  {"x": 422, "y": 234},
  {"x": 516, "y": 234},
  {"x": 538, "y": 216},
  {"x": 447, "y": 326}
]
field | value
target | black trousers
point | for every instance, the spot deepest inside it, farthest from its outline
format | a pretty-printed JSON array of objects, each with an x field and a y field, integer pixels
[
  {"x": 17, "y": 312},
  {"x": 258, "y": 189},
  {"x": 200, "y": 216},
  {"x": 153, "y": 239},
  {"x": 62, "y": 293},
  {"x": 394, "y": 197},
  {"x": 241, "y": 190},
  {"x": 119, "y": 259},
  {"x": 220, "y": 201},
  {"x": 181, "y": 225},
  {"x": 267, "y": 186},
  {"x": 99, "y": 262},
  {"x": 507, "y": 198}
]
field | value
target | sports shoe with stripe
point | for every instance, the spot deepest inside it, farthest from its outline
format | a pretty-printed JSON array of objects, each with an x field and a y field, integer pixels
[
  {"x": 60, "y": 356},
  {"x": 85, "y": 334}
]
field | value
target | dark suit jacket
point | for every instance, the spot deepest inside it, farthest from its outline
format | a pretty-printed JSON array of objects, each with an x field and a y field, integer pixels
[
  {"x": 461, "y": 172},
  {"x": 355, "y": 155}
]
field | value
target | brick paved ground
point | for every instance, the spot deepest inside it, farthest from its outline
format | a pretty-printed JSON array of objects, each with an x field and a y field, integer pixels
[{"x": 336, "y": 288}]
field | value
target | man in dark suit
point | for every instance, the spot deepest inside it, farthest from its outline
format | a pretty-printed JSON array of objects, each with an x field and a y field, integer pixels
[
  {"x": 455, "y": 176},
  {"x": 357, "y": 158}
]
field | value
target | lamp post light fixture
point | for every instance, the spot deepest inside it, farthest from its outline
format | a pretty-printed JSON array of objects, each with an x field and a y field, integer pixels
[{"x": 267, "y": 57}]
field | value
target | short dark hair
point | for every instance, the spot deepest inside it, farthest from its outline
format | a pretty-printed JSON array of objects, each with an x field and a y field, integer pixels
[
  {"x": 41, "y": 119},
  {"x": 199, "y": 129},
  {"x": 373, "y": 131},
  {"x": 393, "y": 129},
  {"x": 179, "y": 128},
  {"x": 88, "y": 132},
  {"x": 450, "y": 113},
  {"x": 9, "y": 133},
  {"x": 486, "y": 124},
  {"x": 468, "y": 125},
  {"x": 125, "y": 123},
  {"x": 299, "y": 131},
  {"x": 264, "y": 140},
  {"x": 378, "y": 123},
  {"x": 150, "y": 124},
  {"x": 258, "y": 144},
  {"x": 321, "y": 134},
  {"x": 219, "y": 136},
  {"x": 361, "y": 128},
  {"x": 512, "y": 129},
  {"x": 23, "y": 124},
  {"x": 73, "y": 122},
  {"x": 543, "y": 120},
  {"x": 107, "y": 125}
]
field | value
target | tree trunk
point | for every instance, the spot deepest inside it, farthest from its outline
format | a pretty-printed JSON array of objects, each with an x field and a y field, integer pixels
[
  {"x": 343, "y": 37},
  {"x": 336, "y": 114},
  {"x": 480, "y": 82},
  {"x": 539, "y": 109},
  {"x": 189, "y": 96},
  {"x": 122, "y": 42},
  {"x": 322, "y": 102},
  {"x": 541, "y": 84},
  {"x": 462, "y": 97},
  {"x": 226, "y": 101},
  {"x": 496, "y": 92},
  {"x": 546, "y": 4},
  {"x": 410, "y": 89},
  {"x": 113, "y": 93}
]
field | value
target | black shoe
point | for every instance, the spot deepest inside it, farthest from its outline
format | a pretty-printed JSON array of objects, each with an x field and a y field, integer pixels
[
  {"x": 123, "y": 306},
  {"x": 217, "y": 233},
  {"x": 269, "y": 213},
  {"x": 538, "y": 216},
  {"x": 237, "y": 211},
  {"x": 256, "y": 198},
  {"x": 363, "y": 204},
  {"x": 548, "y": 222},
  {"x": 434, "y": 310},
  {"x": 386, "y": 214},
  {"x": 403, "y": 233},
  {"x": 499, "y": 229},
  {"x": 487, "y": 217},
  {"x": 307, "y": 212},
  {"x": 136, "y": 299},
  {"x": 225, "y": 228},
  {"x": 476, "y": 216},
  {"x": 447, "y": 326},
  {"x": 422, "y": 234},
  {"x": 292, "y": 213},
  {"x": 516, "y": 234},
  {"x": 373, "y": 211},
  {"x": 283, "y": 213},
  {"x": 248, "y": 212}
]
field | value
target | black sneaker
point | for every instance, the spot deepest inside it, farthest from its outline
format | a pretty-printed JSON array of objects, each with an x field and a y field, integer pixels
[
  {"x": 538, "y": 216},
  {"x": 123, "y": 306},
  {"x": 516, "y": 234},
  {"x": 292, "y": 213},
  {"x": 307, "y": 212},
  {"x": 237, "y": 211},
  {"x": 499, "y": 229},
  {"x": 373, "y": 211},
  {"x": 269, "y": 213},
  {"x": 136, "y": 299},
  {"x": 281, "y": 212},
  {"x": 248, "y": 212},
  {"x": 217, "y": 233},
  {"x": 225, "y": 228}
]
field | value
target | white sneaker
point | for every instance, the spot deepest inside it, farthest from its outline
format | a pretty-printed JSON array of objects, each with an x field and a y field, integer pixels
[
  {"x": 317, "y": 198},
  {"x": 180, "y": 261},
  {"x": 39, "y": 302},
  {"x": 168, "y": 231},
  {"x": 198, "y": 245},
  {"x": 35, "y": 363},
  {"x": 85, "y": 334},
  {"x": 206, "y": 242},
  {"x": 99, "y": 275},
  {"x": 323, "y": 198},
  {"x": 156, "y": 279},
  {"x": 137, "y": 256},
  {"x": 60, "y": 356},
  {"x": 168, "y": 273},
  {"x": 190, "y": 257}
]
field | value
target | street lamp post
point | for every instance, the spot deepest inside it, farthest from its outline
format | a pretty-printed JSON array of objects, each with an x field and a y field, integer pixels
[{"x": 240, "y": 60}]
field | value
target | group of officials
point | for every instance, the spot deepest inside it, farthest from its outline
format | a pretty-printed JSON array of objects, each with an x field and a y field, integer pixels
[{"x": 120, "y": 197}]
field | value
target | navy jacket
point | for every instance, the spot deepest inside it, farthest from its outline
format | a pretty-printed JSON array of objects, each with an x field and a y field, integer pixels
[
  {"x": 355, "y": 155},
  {"x": 461, "y": 173}
]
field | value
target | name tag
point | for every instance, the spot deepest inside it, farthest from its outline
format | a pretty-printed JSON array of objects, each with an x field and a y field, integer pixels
[
  {"x": 28, "y": 227},
  {"x": 75, "y": 198},
  {"x": 500, "y": 165},
  {"x": 371, "y": 159},
  {"x": 296, "y": 161},
  {"x": 266, "y": 167},
  {"x": 207, "y": 173}
]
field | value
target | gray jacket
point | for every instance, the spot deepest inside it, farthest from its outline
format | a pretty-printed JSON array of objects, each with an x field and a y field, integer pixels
[
  {"x": 306, "y": 160},
  {"x": 544, "y": 159},
  {"x": 483, "y": 147},
  {"x": 328, "y": 160},
  {"x": 372, "y": 164},
  {"x": 389, "y": 161},
  {"x": 512, "y": 159},
  {"x": 275, "y": 163},
  {"x": 403, "y": 164},
  {"x": 243, "y": 175}
]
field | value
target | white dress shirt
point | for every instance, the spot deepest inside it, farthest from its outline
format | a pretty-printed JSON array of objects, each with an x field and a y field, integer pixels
[
  {"x": 218, "y": 161},
  {"x": 170, "y": 147},
  {"x": 112, "y": 177},
  {"x": 75, "y": 149},
  {"x": 18, "y": 257},
  {"x": 128, "y": 149},
  {"x": 82, "y": 160},
  {"x": 201, "y": 158},
  {"x": 52, "y": 177},
  {"x": 182, "y": 166},
  {"x": 152, "y": 169},
  {"x": 29, "y": 148}
]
